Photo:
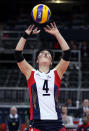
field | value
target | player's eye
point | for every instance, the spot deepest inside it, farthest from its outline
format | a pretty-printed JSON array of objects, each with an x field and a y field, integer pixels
[
  {"x": 40, "y": 54},
  {"x": 48, "y": 55}
]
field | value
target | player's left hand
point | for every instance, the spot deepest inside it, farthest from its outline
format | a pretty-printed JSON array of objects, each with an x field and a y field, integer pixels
[{"x": 52, "y": 29}]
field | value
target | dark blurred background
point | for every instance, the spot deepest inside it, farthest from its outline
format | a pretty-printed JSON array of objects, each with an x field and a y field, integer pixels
[
  {"x": 72, "y": 19},
  {"x": 12, "y": 8}
]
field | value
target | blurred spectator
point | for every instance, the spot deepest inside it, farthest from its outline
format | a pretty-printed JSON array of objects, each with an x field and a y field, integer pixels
[
  {"x": 13, "y": 121},
  {"x": 27, "y": 125},
  {"x": 85, "y": 106},
  {"x": 69, "y": 103},
  {"x": 27, "y": 121},
  {"x": 85, "y": 125},
  {"x": 67, "y": 120},
  {"x": 27, "y": 114},
  {"x": 87, "y": 114}
]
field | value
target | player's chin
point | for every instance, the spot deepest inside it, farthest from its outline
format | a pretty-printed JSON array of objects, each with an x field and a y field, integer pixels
[{"x": 46, "y": 63}]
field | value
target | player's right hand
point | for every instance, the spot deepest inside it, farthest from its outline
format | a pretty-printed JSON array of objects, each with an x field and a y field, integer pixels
[
  {"x": 29, "y": 29},
  {"x": 36, "y": 31}
]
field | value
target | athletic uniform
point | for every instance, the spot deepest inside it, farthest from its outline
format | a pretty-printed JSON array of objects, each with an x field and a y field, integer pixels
[{"x": 44, "y": 104}]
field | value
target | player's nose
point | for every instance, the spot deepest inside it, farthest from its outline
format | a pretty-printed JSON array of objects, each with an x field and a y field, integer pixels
[{"x": 45, "y": 54}]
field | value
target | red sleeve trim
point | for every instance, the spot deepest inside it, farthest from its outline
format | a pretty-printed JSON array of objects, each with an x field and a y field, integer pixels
[
  {"x": 31, "y": 76},
  {"x": 30, "y": 82},
  {"x": 57, "y": 79}
]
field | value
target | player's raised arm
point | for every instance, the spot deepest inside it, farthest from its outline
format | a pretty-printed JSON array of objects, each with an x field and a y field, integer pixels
[
  {"x": 23, "y": 65},
  {"x": 64, "y": 62}
]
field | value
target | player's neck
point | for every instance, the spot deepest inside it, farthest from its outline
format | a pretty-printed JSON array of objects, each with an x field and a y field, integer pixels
[{"x": 44, "y": 69}]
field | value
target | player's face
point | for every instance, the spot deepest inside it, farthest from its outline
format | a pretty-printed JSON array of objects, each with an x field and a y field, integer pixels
[{"x": 44, "y": 57}]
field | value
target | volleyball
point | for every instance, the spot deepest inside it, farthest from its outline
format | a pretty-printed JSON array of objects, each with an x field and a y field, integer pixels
[{"x": 41, "y": 13}]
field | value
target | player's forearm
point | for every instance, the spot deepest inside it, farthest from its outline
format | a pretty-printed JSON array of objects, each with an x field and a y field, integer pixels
[
  {"x": 21, "y": 44},
  {"x": 22, "y": 41},
  {"x": 63, "y": 44}
]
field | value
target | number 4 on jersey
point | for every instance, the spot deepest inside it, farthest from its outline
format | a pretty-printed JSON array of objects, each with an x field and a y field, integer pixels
[{"x": 45, "y": 87}]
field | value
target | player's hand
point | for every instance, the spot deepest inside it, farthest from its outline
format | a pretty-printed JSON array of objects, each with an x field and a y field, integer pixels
[
  {"x": 51, "y": 29},
  {"x": 29, "y": 29},
  {"x": 36, "y": 31}
]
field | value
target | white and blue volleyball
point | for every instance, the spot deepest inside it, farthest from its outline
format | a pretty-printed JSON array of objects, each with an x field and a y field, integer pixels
[{"x": 41, "y": 13}]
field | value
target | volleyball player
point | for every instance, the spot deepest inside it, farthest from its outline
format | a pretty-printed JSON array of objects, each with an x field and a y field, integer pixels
[{"x": 44, "y": 83}]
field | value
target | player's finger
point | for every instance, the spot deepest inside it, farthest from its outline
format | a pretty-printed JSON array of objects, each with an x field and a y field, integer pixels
[
  {"x": 36, "y": 31},
  {"x": 45, "y": 29},
  {"x": 48, "y": 27},
  {"x": 31, "y": 27},
  {"x": 52, "y": 25},
  {"x": 36, "y": 28}
]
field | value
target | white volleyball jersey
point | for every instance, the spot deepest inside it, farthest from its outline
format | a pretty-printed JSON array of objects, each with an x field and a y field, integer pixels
[{"x": 44, "y": 91}]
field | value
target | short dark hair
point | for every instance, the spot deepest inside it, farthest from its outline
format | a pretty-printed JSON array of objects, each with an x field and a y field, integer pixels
[{"x": 64, "y": 105}]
